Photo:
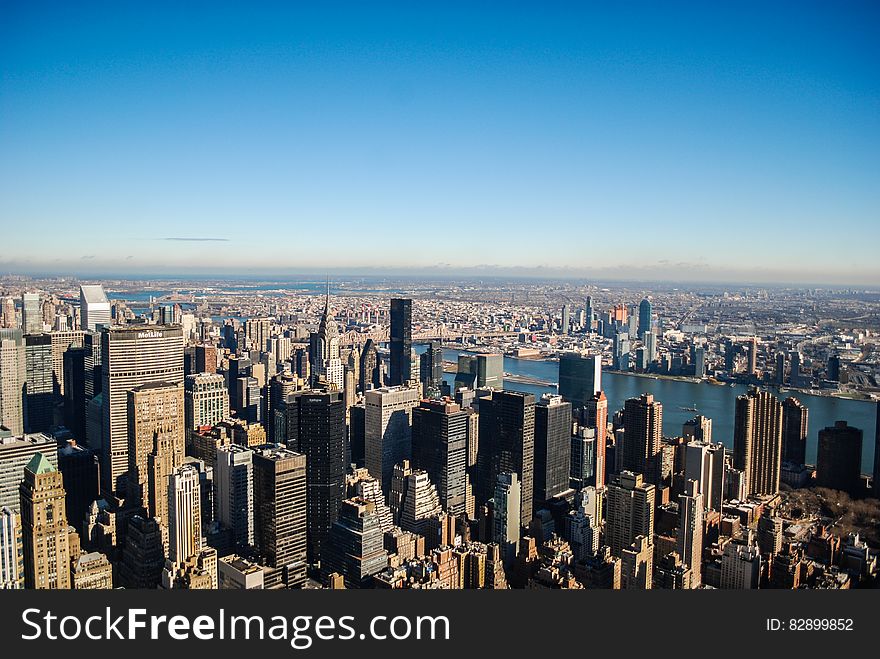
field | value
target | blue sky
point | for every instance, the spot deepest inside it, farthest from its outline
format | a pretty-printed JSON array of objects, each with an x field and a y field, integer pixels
[{"x": 669, "y": 141}]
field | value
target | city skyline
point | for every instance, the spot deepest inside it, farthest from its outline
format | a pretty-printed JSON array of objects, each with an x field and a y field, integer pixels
[{"x": 656, "y": 144}]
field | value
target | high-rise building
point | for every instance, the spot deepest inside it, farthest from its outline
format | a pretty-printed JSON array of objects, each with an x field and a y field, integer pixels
[
  {"x": 630, "y": 511},
  {"x": 757, "y": 441},
  {"x": 553, "y": 424},
  {"x": 39, "y": 389},
  {"x": 417, "y": 502},
  {"x": 12, "y": 380},
  {"x": 320, "y": 437},
  {"x": 795, "y": 417},
  {"x": 388, "y": 430},
  {"x": 328, "y": 365},
  {"x": 753, "y": 356},
  {"x": 704, "y": 464},
  {"x": 369, "y": 371},
  {"x": 62, "y": 341},
  {"x": 698, "y": 429},
  {"x": 482, "y": 371},
  {"x": 741, "y": 563},
  {"x": 439, "y": 446},
  {"x": 565, "y": 326},
  {"x": 643, "y": 428},
  {"x": 580, "y": 377},
  {"x": 16, "y": 451},
  {"x": 234, "y": 493},
  {"x": 132, "y": 356},
  {"x": 582, "y": 457},
  {"x": 206, "y": 358},
  {"x": 431, "y": 369},
  {"x": 75, "y": 405},
  {"x": 11, "y": 550},
  {"x": 31, "y": 313},
  {"x": 94, "y": 307},
  {"x": 356, "y": 548},
  {"x": 507, "y": 445},
  {"x": 839, "y": 458},
  {"x": 400, "y": 342},
  {"x": 155, "y": 425},
  {"x": 689, "y": 543},
  {"x": 81, "y": 472},
  {"x": 595, "y": 415},
  {"x": 645, "y": 314},
  {"x": 206, "y": 400},
  {"x": 44, "y": 530},
  {"x": 190, "y": 564},
  {"x": 280, "y": 514},
  {"x": 143, "y": 555},
  {"x": 637, "y": 564},
  {"x": 506, "y": 516}
]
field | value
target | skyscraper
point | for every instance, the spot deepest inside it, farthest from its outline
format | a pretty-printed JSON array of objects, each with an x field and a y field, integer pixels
[
  {"x": 328, "y": 364},
  {"x": 431, "y": 369},
  {"x": 565, "y": 326},
  {"x": 369, "y": 372},
  {"x": 698, "y": 429},
  {"x": 643, "y": 428},
  {"x": 206, "y": 400},
  {"x": 401, "y": 341},
  {"x": 690, "y": 530},
  {"x": 234, "y": 487},
  {"x": 507, "y": 445},
  {"x": 795, "y": 417},
  {"x": 595, "y": 415},
  {"x": 155, "y": 421},
  {"x": 280, "y": 523},
  {"x": 506, "y": 516},
  {"x": 31, "y": 313},
  {"x": 12, "y": 380},
  {"x": 580, "y": 377},
  {"x": 16, "y": 452},
  {"x": 94, "y": 307},
  {"x": 190, "y": 563},
  {"x": 704, "y": 464},
  {"x": 630, "y": 511},
  {"x": 439, "y": 446},
  {"x": 356, "y": 548},
  {"x": 132, "y": 356},
  {"x": 645, "y": 313},
  {"x": 11, "y": 550},
  {"x": 388, "y": 430},
  {"x": 553, "y": 424},
  {"x": 44, "y": 530},
  {"x": 39, "y": 390},
  {"x": 839, "y": 458},
  {"x": 757, "y": 441}
]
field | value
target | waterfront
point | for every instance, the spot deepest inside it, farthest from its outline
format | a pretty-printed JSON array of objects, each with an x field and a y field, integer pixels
[{"x": 715, "y": 402}]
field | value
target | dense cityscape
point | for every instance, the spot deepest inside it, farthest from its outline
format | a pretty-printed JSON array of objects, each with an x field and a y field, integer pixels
[{"x": 427, "y": 433}]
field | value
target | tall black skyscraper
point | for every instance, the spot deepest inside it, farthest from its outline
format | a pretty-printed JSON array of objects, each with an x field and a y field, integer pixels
[
  {"x": 401, "y": 341},
  {"x": 839, "y": 458},
  {"x": 431, "y": 368},
  {"x": 74, "y": 364},
  {"x": 507, "y": 444},
  {"x": 370, "y": 374},
  {"x": 319, "y": 434},
  {"x": 439, "y": 446},
  {"x": 553, "y": 425},
  {"x": 794, "y": 431}
]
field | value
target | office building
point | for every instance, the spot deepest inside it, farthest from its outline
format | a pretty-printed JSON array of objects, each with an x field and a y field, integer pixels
[
  {"x": 155, "y": 421},
  {"x": 506, "y": 516},
  {"x": 44, "y": 530},
  {"x": 39, "y": 389},
  {"x": 94, "y": 308},
  {"x": 594, "y": 414},
  {"x": 439, "y": 446},
  {"x": 370, "y": 375},
  {"x": 400, "y": 372},
  {"x": 839, "y": 459},
  {"x": 645, "y": 317},
  {"x": 74, "y": 397},
  {"x": 234, "y": 493},
  {"x": 132, "y": 356},
  {"x": 643, "y": 428},
  {"x": 92, "y": 571},
  {"x": 795, "y": 417},
  {"x": 637, "y": 565},
  {"x": 280, "y": 517},
  {"x": 741, "y": 563},
  {"x": 356, "y": 548},
  {"x": 31, "y": 313},
  {"x": 81, "y": 472},
  {"x": 481, "y": 371},
  {"x": 206, "y": 400},
  {"x": 388, "y": 430},
  {"x": 190, "y": 563},
  {"x": 698, "y": 429},
  {"x": 689, "y": 540},
  {"x": 507, "y": 445},
  {"x": 414, "y": 500},
  {"x": 328, "y": 366},
  {"x": 704, "y": 464},
  {"x": 12, "y": 380},
  {"x": 580, "y": 377},
  {"x": 143, "y": 554},
  {"x": 553, "y": 425},
  {"x": 16, "y": 451},
  {"x": 630, "y": 511},
  {"x": 11, "y": 550},
  {"x": 757, "y": 441},
  {"x": 431, "y": 369},
  {"x": 582, "y": 457},
  {"x": 62, "y": 341}
]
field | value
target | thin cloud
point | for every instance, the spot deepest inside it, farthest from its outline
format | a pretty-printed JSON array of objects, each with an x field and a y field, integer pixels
[{"x": 200, "y": 240}]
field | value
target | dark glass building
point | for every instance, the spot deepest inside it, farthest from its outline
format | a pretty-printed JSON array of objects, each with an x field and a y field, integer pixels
[
  {"x": 356, "y": 549},
  {"x": 439, "y": 446},
  {"x": 431, "y": 369},
  {"x": 839, "y": 458},
  {"x": 795, "y": 417},
  {"x": 507, "y": 444},
  {"x": 401, "y": 341},
  {"x": 580, "y": 377},
  {"x": 553, "y": 425}
]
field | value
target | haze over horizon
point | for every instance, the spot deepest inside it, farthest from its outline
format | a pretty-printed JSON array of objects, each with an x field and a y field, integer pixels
[{"x": 689, "y": 143}]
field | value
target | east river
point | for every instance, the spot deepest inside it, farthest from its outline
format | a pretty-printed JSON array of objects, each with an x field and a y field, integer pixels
[{"x": 714, "y": 401}]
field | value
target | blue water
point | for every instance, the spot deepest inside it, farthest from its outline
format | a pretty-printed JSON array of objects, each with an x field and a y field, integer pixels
[{"x": 713, "y": 401}]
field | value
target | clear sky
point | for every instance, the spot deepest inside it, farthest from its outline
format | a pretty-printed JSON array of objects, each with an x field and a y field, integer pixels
[{"x": 664, "y": 140}]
